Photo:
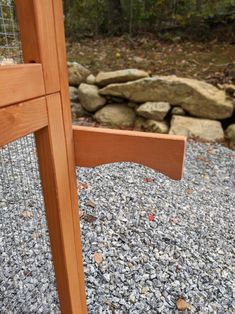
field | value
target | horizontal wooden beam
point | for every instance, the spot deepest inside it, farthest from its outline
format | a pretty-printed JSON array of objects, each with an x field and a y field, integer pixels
[
  {"x": 21, "y": 119},
  {"x": 20, "y": 83},
  {"x": 96, "y": 146}
]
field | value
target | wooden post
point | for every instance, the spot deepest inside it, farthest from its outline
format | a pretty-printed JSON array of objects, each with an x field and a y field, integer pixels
[
  {"x": 45, "y": 44},
  {"x": 56, "y": 190}
]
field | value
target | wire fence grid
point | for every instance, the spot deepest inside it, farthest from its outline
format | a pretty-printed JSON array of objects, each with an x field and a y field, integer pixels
[
  {"x": 27, "y": 281},
  {"x": 10, "y": 48}
]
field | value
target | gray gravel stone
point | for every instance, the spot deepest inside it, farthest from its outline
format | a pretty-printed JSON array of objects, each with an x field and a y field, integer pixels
[{"x": 188, "y": 251}]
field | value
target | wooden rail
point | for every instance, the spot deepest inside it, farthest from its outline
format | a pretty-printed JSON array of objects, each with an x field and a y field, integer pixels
[
  {"x": 96, "y": 146},
  {"x": 21, "y": 119},
  {"x": 20, "y": 83}
]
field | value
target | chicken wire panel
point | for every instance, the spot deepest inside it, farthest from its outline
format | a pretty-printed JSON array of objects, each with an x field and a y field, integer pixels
[
  {"x": 10, "y": 49},
  {"x": 27, "y": 281}
]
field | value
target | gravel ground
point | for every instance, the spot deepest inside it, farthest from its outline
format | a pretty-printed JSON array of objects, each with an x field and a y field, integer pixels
[
  {"x": 160, "y": 239},
  {"x": 147, "y": 240}
]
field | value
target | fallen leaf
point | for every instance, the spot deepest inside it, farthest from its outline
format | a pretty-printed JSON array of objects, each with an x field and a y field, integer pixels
[
  {"x": 28, "y": 273},
  {"x": 181, "y": 304},
  {"x": 148, "y": 180},
  {"x": 174, "y": 220},
  {"x": 211, "y": 151},
  {"x": 201, "y": 158},
  {"x": 91, "y": 204},
  {"x": 82, "y": 186},
  {"x": 26, "y": 214},
  {"x": 151, "y": 217},
  {"x": 98, "y": 258},
  {"x": 230, "y": 155},
  {"x": 89, "y": 218},
  {"x": 81, "y": 214},
  {"x": 189, "y": 191},
  {"x": 36, "y": 235}
]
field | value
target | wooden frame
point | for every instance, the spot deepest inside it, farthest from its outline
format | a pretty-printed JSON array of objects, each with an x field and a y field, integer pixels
[
  {"x": 163, "y": 153},
  {"x": 20, "y": 83},
  {"x": 35, "y": 98}
]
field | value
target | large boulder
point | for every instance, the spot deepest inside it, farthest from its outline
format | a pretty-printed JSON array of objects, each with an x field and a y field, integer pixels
[
  {"x": 154, "y": 110},
  {"x": 207, "y": 130},
  {"x": 90, "y": 98},
  {"x": 121, "y": 76},
  {"x": 198, "y": 98},
  {"x": 230, "y": 135},
  {"x": 116, "y": 115},
  {"x": 77, "y": 73}
]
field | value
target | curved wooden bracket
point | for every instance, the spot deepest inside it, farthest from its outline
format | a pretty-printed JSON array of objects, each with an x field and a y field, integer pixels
[{"x": 96, "y": 146}]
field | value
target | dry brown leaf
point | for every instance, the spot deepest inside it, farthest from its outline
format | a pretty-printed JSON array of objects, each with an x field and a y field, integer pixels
[
  {"x": 98, "y": 258},
  {"x": 91, "y": 204},
  {"x": 181, "y": 304},
  {"x": 26, "y": 214},
  {"x": 89, "y": 218},
  {"x": 174, "y": 220},
  {"x": 82, "y": 186},
  {"x": 146, "y": 180},
  {"x": 201, "y": 158},
  {"x": 189, "y": 191},
  {"x": 211, "y": 151},
  {"x": 81, "y": 214},
  {"x": 36, "y": 235}
]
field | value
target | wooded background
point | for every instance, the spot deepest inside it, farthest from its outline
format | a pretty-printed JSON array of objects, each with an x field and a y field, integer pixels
[{"x": 192, "y": 18}]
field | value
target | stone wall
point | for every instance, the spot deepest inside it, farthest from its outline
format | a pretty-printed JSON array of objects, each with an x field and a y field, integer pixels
[{"x": 130, "y": 98}]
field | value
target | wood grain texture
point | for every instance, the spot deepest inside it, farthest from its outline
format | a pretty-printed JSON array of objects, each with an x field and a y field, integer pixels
[
  {"x": 67, "y": 121},
  {"x": 20, "y": 83},
  {"x": 37, "y": 34},
  {"x": 51, "y": 148},
  {"x": 19, "y": 120},
  {"x": 96, "y": 146}
]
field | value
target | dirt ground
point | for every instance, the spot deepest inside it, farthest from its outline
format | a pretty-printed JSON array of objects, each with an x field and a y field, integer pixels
[{"x": 212, "y": 61}]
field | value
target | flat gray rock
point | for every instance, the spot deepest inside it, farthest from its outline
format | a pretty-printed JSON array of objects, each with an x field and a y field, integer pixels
[
  {"x": 127, "y": 75},
  {"x": 200, "y": 99}
]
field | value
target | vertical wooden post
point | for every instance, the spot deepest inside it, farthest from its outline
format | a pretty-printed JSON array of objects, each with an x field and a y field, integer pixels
[
  {"x": 51, "y": 149},
  {"x": 67, "y": 120},
  {"x": 42, "y": 37}
]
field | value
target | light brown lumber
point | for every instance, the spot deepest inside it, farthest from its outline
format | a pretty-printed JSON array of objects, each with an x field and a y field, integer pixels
[
  {"x": 21, "y": 119},
  {"x": 66, "y": 109},
  {"x": 36, "y": 25},
  {"x": 97, "y": 146},
  {"x": 20, "y": 83},
  {"x": 51, "y": 149}
]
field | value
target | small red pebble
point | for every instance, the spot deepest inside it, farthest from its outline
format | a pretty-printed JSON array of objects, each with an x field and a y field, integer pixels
[
  {"x": 151, "y": 217},
  {"x": 146, "y": 180}
]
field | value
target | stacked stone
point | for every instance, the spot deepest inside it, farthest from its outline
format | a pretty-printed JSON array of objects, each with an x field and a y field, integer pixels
[{"x": 130, "y": 98}]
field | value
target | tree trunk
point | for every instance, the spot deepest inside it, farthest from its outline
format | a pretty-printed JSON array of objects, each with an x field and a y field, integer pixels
[
  {"x": 115, "y": 17},
  {"x": 199, "y": 5}
]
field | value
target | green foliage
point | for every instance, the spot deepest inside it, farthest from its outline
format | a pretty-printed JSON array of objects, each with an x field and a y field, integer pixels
[{"x": 90, "y": 17}]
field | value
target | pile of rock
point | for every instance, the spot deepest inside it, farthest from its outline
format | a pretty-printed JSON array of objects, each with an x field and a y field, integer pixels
[{"x": 163, "y": 104}]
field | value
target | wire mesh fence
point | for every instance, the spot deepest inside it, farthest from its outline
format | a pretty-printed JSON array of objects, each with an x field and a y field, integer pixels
[
  {"x": 10, "y": 50},
  {"x": 27, "y": 281}
]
